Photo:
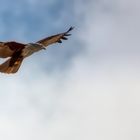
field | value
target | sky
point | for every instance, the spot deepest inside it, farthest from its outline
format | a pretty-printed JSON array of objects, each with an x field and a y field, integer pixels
[{"x": 86, "y": 87}]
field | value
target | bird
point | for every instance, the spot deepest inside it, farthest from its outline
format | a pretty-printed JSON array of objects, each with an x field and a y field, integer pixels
[{"x": 16, "y": 52}]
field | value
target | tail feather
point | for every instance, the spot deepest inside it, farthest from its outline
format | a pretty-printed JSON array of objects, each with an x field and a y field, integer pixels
[{"x": 6, "y": 68}]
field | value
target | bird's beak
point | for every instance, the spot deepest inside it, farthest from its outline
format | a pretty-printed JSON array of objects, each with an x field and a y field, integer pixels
[{"x": 43, "y": 48}]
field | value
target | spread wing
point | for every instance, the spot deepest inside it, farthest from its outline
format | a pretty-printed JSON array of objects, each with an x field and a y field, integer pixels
[
  {"x": 7, "y": 68},
  {"x": 55, "y": 38},
  {"x": 7, "y": 49}
]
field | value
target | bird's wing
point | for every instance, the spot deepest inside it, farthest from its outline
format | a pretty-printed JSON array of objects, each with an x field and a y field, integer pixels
[
  {"x": 6, "y": 68},
  {"x": 55, "y": 38},
  {"x": 8, "y": 48}
]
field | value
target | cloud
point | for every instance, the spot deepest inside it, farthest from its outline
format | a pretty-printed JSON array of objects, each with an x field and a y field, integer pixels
[{"x": 95, "y": 97}]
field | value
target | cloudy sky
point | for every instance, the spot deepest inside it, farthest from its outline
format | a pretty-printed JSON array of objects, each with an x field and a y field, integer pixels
[{"x": 84, "y": 89}]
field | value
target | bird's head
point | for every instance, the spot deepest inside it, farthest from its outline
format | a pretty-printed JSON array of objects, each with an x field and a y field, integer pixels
[{"x": 36, "y": 46}]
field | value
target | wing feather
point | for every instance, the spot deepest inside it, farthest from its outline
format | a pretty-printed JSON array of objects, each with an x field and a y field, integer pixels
[
  {"x": 8, "y": 48},
  {"x": 55, "y": 38},
  {"x": 6, "y": 68}
]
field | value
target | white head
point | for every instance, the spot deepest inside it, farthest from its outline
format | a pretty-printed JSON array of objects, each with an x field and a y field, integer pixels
[
  {"x": 35, "y": 47},
  {"x": 32, "y": 48}
]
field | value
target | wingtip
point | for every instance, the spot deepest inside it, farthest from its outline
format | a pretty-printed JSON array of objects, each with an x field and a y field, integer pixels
[{"x": 70, "y": 29}]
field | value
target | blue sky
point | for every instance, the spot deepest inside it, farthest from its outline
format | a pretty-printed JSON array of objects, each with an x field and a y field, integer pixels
[
  {"x": 28, "y": 21},
  {"x": 85, "y": 88}
]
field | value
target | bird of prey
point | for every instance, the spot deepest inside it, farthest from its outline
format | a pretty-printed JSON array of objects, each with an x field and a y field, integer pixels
[{"x": 16, "y": 52}]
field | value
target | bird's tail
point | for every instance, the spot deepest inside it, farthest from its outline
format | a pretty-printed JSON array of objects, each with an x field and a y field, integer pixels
[{"x": 6, "y": 68}]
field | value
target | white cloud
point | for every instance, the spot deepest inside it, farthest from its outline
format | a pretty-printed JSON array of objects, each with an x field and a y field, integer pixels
[{"x": 96, "y": 98}]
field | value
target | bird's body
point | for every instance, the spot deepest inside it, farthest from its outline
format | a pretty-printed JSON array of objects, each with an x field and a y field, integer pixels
[{"x": 18, "y": 51}]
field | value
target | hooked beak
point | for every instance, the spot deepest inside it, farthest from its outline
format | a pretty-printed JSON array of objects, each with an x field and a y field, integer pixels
[{"x": 43, "y": 48}]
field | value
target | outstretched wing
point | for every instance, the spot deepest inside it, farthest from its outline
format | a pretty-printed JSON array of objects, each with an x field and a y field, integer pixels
[
  {"x": 7, "y": 68},
  {"x": 55, "y": 38},
  {"x": 7, "y": 49}
]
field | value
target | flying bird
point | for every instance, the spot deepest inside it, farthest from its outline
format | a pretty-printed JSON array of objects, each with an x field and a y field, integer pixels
[{"x": 16, "y": 52}]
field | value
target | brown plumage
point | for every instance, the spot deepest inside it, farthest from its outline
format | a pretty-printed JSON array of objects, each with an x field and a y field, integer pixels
[{"x": 18, "y": 51}]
